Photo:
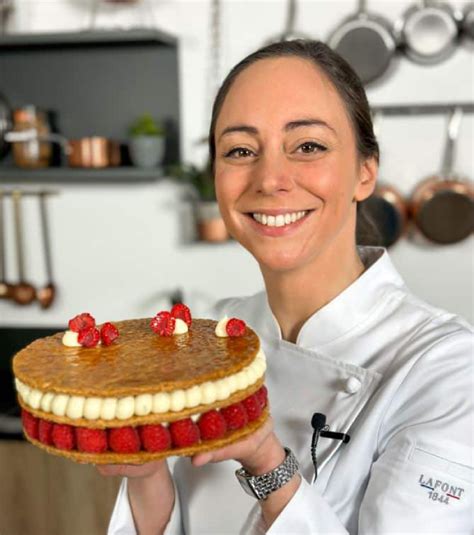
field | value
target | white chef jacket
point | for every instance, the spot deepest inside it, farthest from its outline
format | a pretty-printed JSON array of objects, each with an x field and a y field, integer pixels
[{"x": 385, "y": 367}]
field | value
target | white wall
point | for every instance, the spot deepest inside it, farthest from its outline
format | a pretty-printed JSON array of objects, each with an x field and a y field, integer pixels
[{"x": 118, "y": 248}]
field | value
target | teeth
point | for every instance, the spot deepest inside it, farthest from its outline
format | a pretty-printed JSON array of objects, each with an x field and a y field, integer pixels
[{"x": 279, "y": 220}]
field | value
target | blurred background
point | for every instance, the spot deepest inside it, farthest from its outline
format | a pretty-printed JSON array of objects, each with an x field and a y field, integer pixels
[{"x": 106, "y": 204}]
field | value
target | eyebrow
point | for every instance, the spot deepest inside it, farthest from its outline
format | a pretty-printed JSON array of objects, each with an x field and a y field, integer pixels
[{"x": 292, "y": 125}]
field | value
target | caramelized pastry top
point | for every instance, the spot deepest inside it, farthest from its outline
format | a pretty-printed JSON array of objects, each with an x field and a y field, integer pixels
[{"x": 139, "y": 361}]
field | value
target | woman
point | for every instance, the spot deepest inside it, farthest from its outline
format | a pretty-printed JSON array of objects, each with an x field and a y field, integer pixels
[{"x": 293, "y": 153}]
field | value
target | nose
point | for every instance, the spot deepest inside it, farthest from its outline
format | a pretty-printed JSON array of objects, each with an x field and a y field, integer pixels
[{"x": 273, "y": 174}]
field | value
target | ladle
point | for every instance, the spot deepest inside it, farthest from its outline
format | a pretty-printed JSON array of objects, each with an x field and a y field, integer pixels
[
  {"x": 46, "y": 295},
  {"x": 5, "y": 287},
  {"x": 23, "y": 292}
]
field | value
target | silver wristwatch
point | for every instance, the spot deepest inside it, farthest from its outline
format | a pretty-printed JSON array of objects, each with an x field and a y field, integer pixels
[{"x": 262, "y": 486}]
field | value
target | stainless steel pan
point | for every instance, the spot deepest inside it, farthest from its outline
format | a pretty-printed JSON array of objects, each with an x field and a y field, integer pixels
[
  {"x": 429, "y": 32},
  {"x": 289, "y": 32},
  {"x": 467, "y": 24},
  {"x": 367, "y": 42}
]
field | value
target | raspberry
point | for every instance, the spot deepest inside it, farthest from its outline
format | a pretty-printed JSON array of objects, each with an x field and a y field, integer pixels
[
  {"x": 262, "y": 396},
  {"x": 182, "y": 312},
  {"x": 108, "y": 333},
  {"x": 81, "y": 321},
  {"x": 30, "y": 424},
  {"x": 212, "y": 425},
  {"x": 63, "y": 436},
  {"x": 155, "y": 437},
  {"x": 235, "y": 416},
  {"x": 124, "y": 439},
  {"x": 45, "y": 432},
  {"x": 235, "y": 327},
  {"x": 253, "y": 407},
  {"x": 89, "y": 337},
  {"x": 163, "y": 323},
  {"x": 184, "y": 433},
  {"x": 91, "y": 440}
]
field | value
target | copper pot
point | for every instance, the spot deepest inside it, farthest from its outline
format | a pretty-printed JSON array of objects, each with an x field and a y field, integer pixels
[
  {"x": 210, "y": 225},
  {"x": 93, "y": 152},
  {"x": 442, "y": 205},
  {"x": 388, "y": 210}
]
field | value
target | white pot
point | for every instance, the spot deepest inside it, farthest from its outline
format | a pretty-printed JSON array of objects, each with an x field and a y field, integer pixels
[{"x": 146, "y": 151}]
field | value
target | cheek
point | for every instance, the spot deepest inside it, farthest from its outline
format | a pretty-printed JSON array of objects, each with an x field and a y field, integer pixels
[
  {"x": 228, "y": 188},
  {"x": 335, "y": 180}
]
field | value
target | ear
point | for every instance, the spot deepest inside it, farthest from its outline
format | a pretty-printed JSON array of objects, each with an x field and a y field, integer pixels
[{"x": 367, "y": 179}]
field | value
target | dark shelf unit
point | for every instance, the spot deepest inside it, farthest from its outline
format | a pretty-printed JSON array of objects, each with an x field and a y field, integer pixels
[
  {"x": 71, "y": 175},
  {"x": 95, "y": 83}
]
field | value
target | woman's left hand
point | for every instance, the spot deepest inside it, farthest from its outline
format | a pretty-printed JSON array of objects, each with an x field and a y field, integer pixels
[{"x": 258, "y": 453}]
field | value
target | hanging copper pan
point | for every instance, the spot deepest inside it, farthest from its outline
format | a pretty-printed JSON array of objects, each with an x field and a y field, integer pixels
[
  {"x": 442, "y": 205},
  {"x": 387, "y": 209}
]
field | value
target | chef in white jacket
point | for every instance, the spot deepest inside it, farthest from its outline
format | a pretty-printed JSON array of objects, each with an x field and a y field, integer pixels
[{"x": 294, "y": 154}]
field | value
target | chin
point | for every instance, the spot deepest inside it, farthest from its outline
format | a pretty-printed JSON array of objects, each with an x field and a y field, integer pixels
[{"x": 279, "y": 261}]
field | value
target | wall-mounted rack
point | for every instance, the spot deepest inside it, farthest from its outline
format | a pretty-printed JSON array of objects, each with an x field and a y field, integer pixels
[
  {"x": 27, "y": 193},
  {"x": 423, "y": 109}
]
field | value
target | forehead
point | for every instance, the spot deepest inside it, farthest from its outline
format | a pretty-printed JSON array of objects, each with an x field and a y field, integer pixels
[{"x": 281, "y": 89}]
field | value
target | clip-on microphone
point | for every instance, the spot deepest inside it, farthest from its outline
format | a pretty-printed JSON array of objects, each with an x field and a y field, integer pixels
[{"x": 318, "y": 423}]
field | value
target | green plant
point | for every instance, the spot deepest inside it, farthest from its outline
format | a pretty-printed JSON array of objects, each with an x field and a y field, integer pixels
[
  {"x": 145, "y": 125},
  {"x": 199, "y": 177}
]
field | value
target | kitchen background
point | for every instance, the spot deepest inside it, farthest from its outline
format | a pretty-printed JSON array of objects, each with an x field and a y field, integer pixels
[
  {"x": 124, "y": 240},
  {"x": 119, "y": 248}
]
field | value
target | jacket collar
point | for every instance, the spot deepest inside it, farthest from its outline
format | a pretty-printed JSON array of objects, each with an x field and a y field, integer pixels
[{"x": 350, "y": 308}]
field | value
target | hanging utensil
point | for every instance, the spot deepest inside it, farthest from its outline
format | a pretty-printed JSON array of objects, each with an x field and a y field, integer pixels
[
  {"x": 386, "y": 208},
  {"x": 5, "y": 125},
  {"x": 289, "y": 32},
  {"x": 6, "y": 9},
  {"x": 467, "y": 24},
  {"x": 23, "y": 292},
  {"x": 366, "y": 42},
  {"x": 443, "y": 205},
  {"x": 5, "y": 287},
  {"x": 429, "y": 32},
  {"x": 46, "y": 295}
]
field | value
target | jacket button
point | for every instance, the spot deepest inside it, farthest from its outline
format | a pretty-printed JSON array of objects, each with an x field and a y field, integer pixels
[{"x": 353, "y": 385}]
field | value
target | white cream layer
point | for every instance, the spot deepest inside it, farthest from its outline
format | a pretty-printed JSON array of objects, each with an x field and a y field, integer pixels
[{"x": 94, "y": 408}]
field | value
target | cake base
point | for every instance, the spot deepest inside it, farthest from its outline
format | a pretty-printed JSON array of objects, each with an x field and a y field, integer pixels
[{"x": 145, "y": 456}]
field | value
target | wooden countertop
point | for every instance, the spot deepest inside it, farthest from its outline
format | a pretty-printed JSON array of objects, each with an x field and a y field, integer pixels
[{"x": 42, "y": 494}]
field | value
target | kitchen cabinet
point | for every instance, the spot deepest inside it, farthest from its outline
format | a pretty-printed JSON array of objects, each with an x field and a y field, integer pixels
[
  {"x": 43, "y": 494},
  {"x": 93, "y": 83}
]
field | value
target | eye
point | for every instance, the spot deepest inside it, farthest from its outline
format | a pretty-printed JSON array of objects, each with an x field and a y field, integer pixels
[
  {"x": 311, "y": 147},
  {"x": 239, "y": 152}
]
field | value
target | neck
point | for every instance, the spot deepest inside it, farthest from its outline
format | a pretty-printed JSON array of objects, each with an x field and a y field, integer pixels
[{"x": 296, "y": 295}]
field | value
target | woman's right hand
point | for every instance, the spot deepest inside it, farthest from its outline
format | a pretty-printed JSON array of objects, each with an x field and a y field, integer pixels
[{"x": 133, "y": 470}]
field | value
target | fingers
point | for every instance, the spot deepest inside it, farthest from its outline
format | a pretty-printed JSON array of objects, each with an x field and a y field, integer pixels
[
  {"x": 131, "y": 470},
  {"x": 238, "y": 450}
]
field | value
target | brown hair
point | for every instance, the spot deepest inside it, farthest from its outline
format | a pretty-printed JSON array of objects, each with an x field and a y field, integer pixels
[{"x": 348, "y": 86}]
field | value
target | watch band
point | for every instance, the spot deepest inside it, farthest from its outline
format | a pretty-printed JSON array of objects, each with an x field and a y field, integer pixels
[{"x": 262, "y": 486}]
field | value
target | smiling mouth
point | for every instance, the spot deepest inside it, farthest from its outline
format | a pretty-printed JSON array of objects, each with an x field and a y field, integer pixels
[{"x": 279, "y": 220}]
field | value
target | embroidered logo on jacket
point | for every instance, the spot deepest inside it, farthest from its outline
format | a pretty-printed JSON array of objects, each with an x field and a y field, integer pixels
[{"x": 440, "y": 491}]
